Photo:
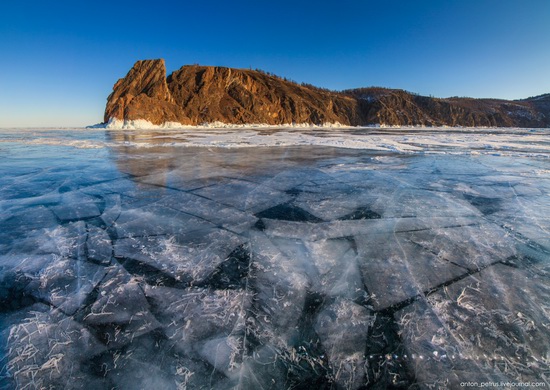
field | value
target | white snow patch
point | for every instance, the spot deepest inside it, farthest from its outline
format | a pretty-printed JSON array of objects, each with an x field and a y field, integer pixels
[
  {"x": 142, "y": 124},
  {"x": 439, "y": 140}
]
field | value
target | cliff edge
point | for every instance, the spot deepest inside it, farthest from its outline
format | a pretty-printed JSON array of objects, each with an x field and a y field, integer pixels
[{"x": 197, "y": 94}]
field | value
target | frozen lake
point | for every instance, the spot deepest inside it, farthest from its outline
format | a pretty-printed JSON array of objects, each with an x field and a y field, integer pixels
[{"x": 274, "y": 258}]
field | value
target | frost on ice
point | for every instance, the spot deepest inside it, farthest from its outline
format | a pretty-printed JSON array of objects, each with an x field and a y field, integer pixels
[{"x": 255, "y": 268}]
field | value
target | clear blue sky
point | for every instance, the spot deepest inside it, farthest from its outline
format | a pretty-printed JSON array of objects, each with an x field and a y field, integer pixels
[{"x": 60, "y": 59}]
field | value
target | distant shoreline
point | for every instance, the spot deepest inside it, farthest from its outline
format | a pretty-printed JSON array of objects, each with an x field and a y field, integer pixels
[{"x": 142, "y": 124}]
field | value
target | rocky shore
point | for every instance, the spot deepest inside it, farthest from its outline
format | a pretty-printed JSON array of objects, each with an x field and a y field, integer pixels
[{"x": 196, "y": 95}]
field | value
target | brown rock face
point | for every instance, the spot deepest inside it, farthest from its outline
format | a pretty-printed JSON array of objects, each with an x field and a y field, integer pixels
[
  {"x": 401, "y": 108},
  {"x": 144, "y": 94},
  {"x": 199, "y": 94},
  {"x": 208, "y": 94}
]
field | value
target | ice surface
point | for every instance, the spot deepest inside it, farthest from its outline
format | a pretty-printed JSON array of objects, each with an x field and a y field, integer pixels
[
  {"x": 339, "y": 228},
  {"x": 281, "y": 285},
  {"x": 394, "y": 269},
  {"x": 472, "y": 247},
  {"x": 98, "y": 245},
  {"x": 195, "y": 315},
  {"x": 399, "y": 258},
  {"x": 27, "y": 220},
  {"x": 62, "y": 282},
  {"x": 156, "y": 220},
  {"x": 191, "y": 261},
  {"x": 120, "y": 311},
  {"x": 243, "y": 195},
  {"x": 76, "y": 206},
  {"x": 343, "y": 328},
  {"x": 209, "y": 210},
  {"x": 481, "y": 329},
  {"x": 47, "y": 349}
]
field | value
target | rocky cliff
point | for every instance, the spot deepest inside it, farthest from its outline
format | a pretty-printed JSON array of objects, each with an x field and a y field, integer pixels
[
  {"x": 397, "y": 107},
  {"x": 197, "y": 94},
  {"x": 144, "y": 94}
]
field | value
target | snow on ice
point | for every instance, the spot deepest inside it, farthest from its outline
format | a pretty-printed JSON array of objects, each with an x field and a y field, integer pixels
[{"x": 271, "y": 258}]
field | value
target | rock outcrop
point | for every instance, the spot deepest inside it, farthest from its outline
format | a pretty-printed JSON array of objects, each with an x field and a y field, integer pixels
[
  {"x": 401, "y": 108},
  {"x": 144, "y": 94},
  {"x": 196, "y": 94},
  {"x": 209, "y": 94}
]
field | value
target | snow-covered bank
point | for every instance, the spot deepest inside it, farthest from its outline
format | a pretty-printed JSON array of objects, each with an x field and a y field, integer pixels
[{"x": 142, "y": 124}]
